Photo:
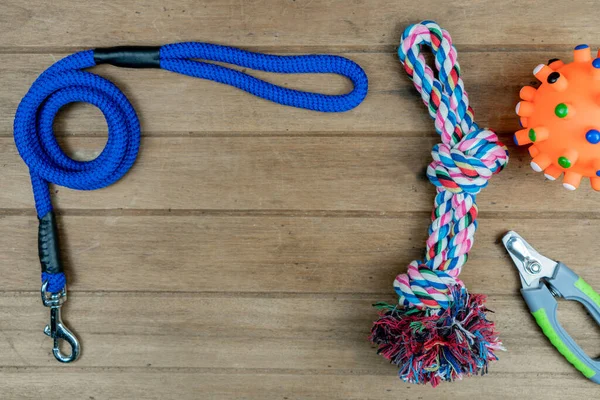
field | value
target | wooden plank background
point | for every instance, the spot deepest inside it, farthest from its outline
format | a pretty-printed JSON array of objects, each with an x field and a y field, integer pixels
[{"x": 240, "y": 256}]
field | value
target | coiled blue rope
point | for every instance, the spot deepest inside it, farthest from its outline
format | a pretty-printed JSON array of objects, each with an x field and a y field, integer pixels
[{"x": 66, "y": 82}]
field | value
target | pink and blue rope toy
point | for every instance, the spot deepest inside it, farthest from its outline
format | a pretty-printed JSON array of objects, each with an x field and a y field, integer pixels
[{"x": 438, "y": 331}]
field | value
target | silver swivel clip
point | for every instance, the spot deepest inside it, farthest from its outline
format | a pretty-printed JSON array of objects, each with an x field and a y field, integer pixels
[{"x": 56, "y": 329}]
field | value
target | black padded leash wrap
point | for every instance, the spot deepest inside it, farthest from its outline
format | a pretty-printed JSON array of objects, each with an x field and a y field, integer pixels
[
  {"x": 48, "y": 248},
  {"x": 129, "y": 56}
]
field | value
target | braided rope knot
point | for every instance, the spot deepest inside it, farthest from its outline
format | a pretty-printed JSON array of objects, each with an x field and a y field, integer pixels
[
  {"x": 468, "y": 165},
  {"x": 427, "y": 287}
]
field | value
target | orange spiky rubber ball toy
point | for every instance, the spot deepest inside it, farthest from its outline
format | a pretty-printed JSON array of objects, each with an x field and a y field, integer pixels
[{"x": 561, "y": 119}]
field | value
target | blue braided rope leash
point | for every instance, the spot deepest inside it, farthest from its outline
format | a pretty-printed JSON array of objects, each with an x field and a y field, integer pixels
[{"x": 66, "y": 82}]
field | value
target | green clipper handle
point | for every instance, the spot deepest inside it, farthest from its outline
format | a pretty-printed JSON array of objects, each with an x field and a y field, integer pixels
[{"x": 543, "y": 306}]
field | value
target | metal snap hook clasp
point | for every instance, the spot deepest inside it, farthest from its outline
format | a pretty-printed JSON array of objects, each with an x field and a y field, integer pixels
[{"x": 56, "y": 329}]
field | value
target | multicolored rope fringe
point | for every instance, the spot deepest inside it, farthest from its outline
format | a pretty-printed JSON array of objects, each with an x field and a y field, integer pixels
[{"x": 438, "y": 331}]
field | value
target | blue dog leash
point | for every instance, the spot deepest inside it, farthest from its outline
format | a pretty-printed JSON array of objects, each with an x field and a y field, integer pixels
[{"x": 65, "y": 82}]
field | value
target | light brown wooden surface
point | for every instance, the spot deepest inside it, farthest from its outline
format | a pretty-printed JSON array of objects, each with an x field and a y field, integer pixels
[{"x": 240, "y": 256}]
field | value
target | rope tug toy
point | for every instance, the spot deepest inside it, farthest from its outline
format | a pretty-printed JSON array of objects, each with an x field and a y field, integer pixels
[
  {"x": 65, "y": 82},
  {"x": 438, "y": 331}
]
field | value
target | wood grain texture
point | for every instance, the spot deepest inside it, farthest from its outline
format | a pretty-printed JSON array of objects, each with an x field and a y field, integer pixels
[
  {"x": 271, "y": 253},
  {"x": 280, "y": 336},
  {"x": 239, "y": 258},
  {"x": 304, "y": 333},
  {"x": 155, "y": 383},
  {"x": 331, "y": 23},
  {"x": 358, "y": 174}
]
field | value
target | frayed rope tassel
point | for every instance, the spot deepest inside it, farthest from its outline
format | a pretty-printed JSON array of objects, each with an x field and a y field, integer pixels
[
  {"x": 438, "y": 331},
  {"x": 428, "y": 347}
]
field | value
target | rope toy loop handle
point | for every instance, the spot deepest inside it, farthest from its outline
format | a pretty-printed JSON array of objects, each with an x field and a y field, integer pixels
[{"x": 434, "y": 306}]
